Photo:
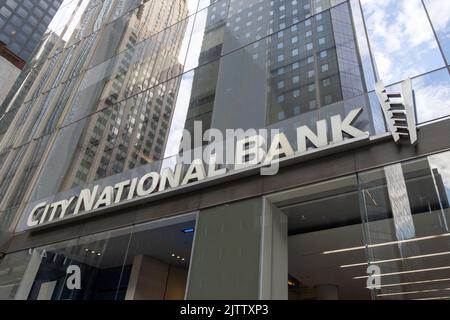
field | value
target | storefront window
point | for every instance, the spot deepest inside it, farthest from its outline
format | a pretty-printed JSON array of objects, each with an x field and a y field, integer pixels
[
  {"x": 406, "y": 213},
  {"x": 158, "y": 259},
  {"x": 381, "y": 234},
  {"x": 82, "y": 269},
  {"x": 12, "y": 271},
  {"x": 101, "y": 261},
  {"x": 144, "y": 262}
]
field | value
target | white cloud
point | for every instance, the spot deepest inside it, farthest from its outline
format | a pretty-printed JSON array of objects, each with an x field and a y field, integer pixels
[
  {"x": 439, "y": 12},
  {"x": 441, "y": 162},
  {"x": 384, "y": 65},
  {"x": 433, "y": 101},
  {"x": 401, "y": 38}
]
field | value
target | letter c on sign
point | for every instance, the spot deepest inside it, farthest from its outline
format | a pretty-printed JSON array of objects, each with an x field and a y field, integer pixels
[{"x": 31, "y": 222}]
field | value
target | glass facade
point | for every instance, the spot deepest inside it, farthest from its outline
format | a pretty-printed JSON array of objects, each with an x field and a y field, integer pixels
[
  {"x": 117, "y": 85},
  {"x": 114, "y": 83},
  {"x": 141, "y": 262},
  {"x": 23, "y": 23},
  {"x": 393, "y": 219}
]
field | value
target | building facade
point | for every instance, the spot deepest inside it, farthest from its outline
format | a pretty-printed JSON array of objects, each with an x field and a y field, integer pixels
[
  {"x": 23, "y": 23},
  {"x": 347, "y": 100},
  {"x": 10, "y": 71}
]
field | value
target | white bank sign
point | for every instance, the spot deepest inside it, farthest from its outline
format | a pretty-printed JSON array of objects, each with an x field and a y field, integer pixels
[{"x": 249, "y": 152}]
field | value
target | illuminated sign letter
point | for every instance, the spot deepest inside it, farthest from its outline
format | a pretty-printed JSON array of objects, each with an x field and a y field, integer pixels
[
  {"x": 86, "y": 199},
  {"x": 64, "y": 205},
  {"x": 280, "y": 146},
  {"x": 106, "y": 198},
  {"x": 31, "y": 222},
  {"x": 340, "y": 126},
  {"x": 213, "y": 171},
  {"x": 132, "y": 188},
  {"x": 141, "y": 191},
  {"x": 247, "y": 147},
  {"x": 305, "y": 134},
  {"x": 120, "y": 187},
  {"x": 195, "y": 172},
  {"x": 169, "y": 176}
]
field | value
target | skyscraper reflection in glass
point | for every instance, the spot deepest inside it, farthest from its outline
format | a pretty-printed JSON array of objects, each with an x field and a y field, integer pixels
[{"x": 24, "y": 22}]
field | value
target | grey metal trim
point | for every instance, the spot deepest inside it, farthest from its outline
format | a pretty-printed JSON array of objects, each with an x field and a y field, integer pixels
[
  {"x": 262, "y": 248},
  {"x": 191, "y": 258}
]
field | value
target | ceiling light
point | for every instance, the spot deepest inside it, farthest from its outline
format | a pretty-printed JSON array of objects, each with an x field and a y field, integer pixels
[
  {"x": 403, "y": 272},
  {"x": 409, "y": 292},
  {"x": 99, "y": 254},
  {"x": 387, "y": 243},
  {"x": 412, "y": 283},
  {"x": 344, "y": 250},
  {"x": 87, "y": 250},
  {"x": 357, "y": 264},
  {"x": 173, "y": 254},
  {"x": 435, "y": 298},
  {"x": 396, "y": 259},
  {"x": 93, "y": 252}
]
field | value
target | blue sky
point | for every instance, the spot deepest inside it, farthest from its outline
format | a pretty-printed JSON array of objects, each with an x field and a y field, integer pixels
[
  {"x": 403, "y": 44},
  {"x": 401, "y": 37}
]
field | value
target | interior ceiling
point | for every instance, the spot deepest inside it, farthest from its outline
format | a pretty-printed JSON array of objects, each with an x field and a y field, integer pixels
[
  {"x": 311, "y": 267},
  {"x": 327, "y": 217},
  {"x": 327, "y": 208},
  {"x": 159, "y": 243},
  {"x": 325, "y": 213}
]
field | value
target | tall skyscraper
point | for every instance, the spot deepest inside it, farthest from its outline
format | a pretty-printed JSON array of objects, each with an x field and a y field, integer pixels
[
  {"x": 10, "y": 65},
  {"x": 134, "y": 134},
  {"x": 310, "y": 60},
  {"x": 313, "y": 63},
  {"x": 117, "y": 137},
  {"x": 24, "y": 22}
]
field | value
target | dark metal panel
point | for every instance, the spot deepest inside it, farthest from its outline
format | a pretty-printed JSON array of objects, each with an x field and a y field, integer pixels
[
  {"x": 109, "y": 221},
  {"x": 235, "y": 190},
  {"x": 28, "y": 240},
  {"x": 168, "y": 207},
  {"x": 226, "y": 255},
  {"x": 311, "y": 171}
]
